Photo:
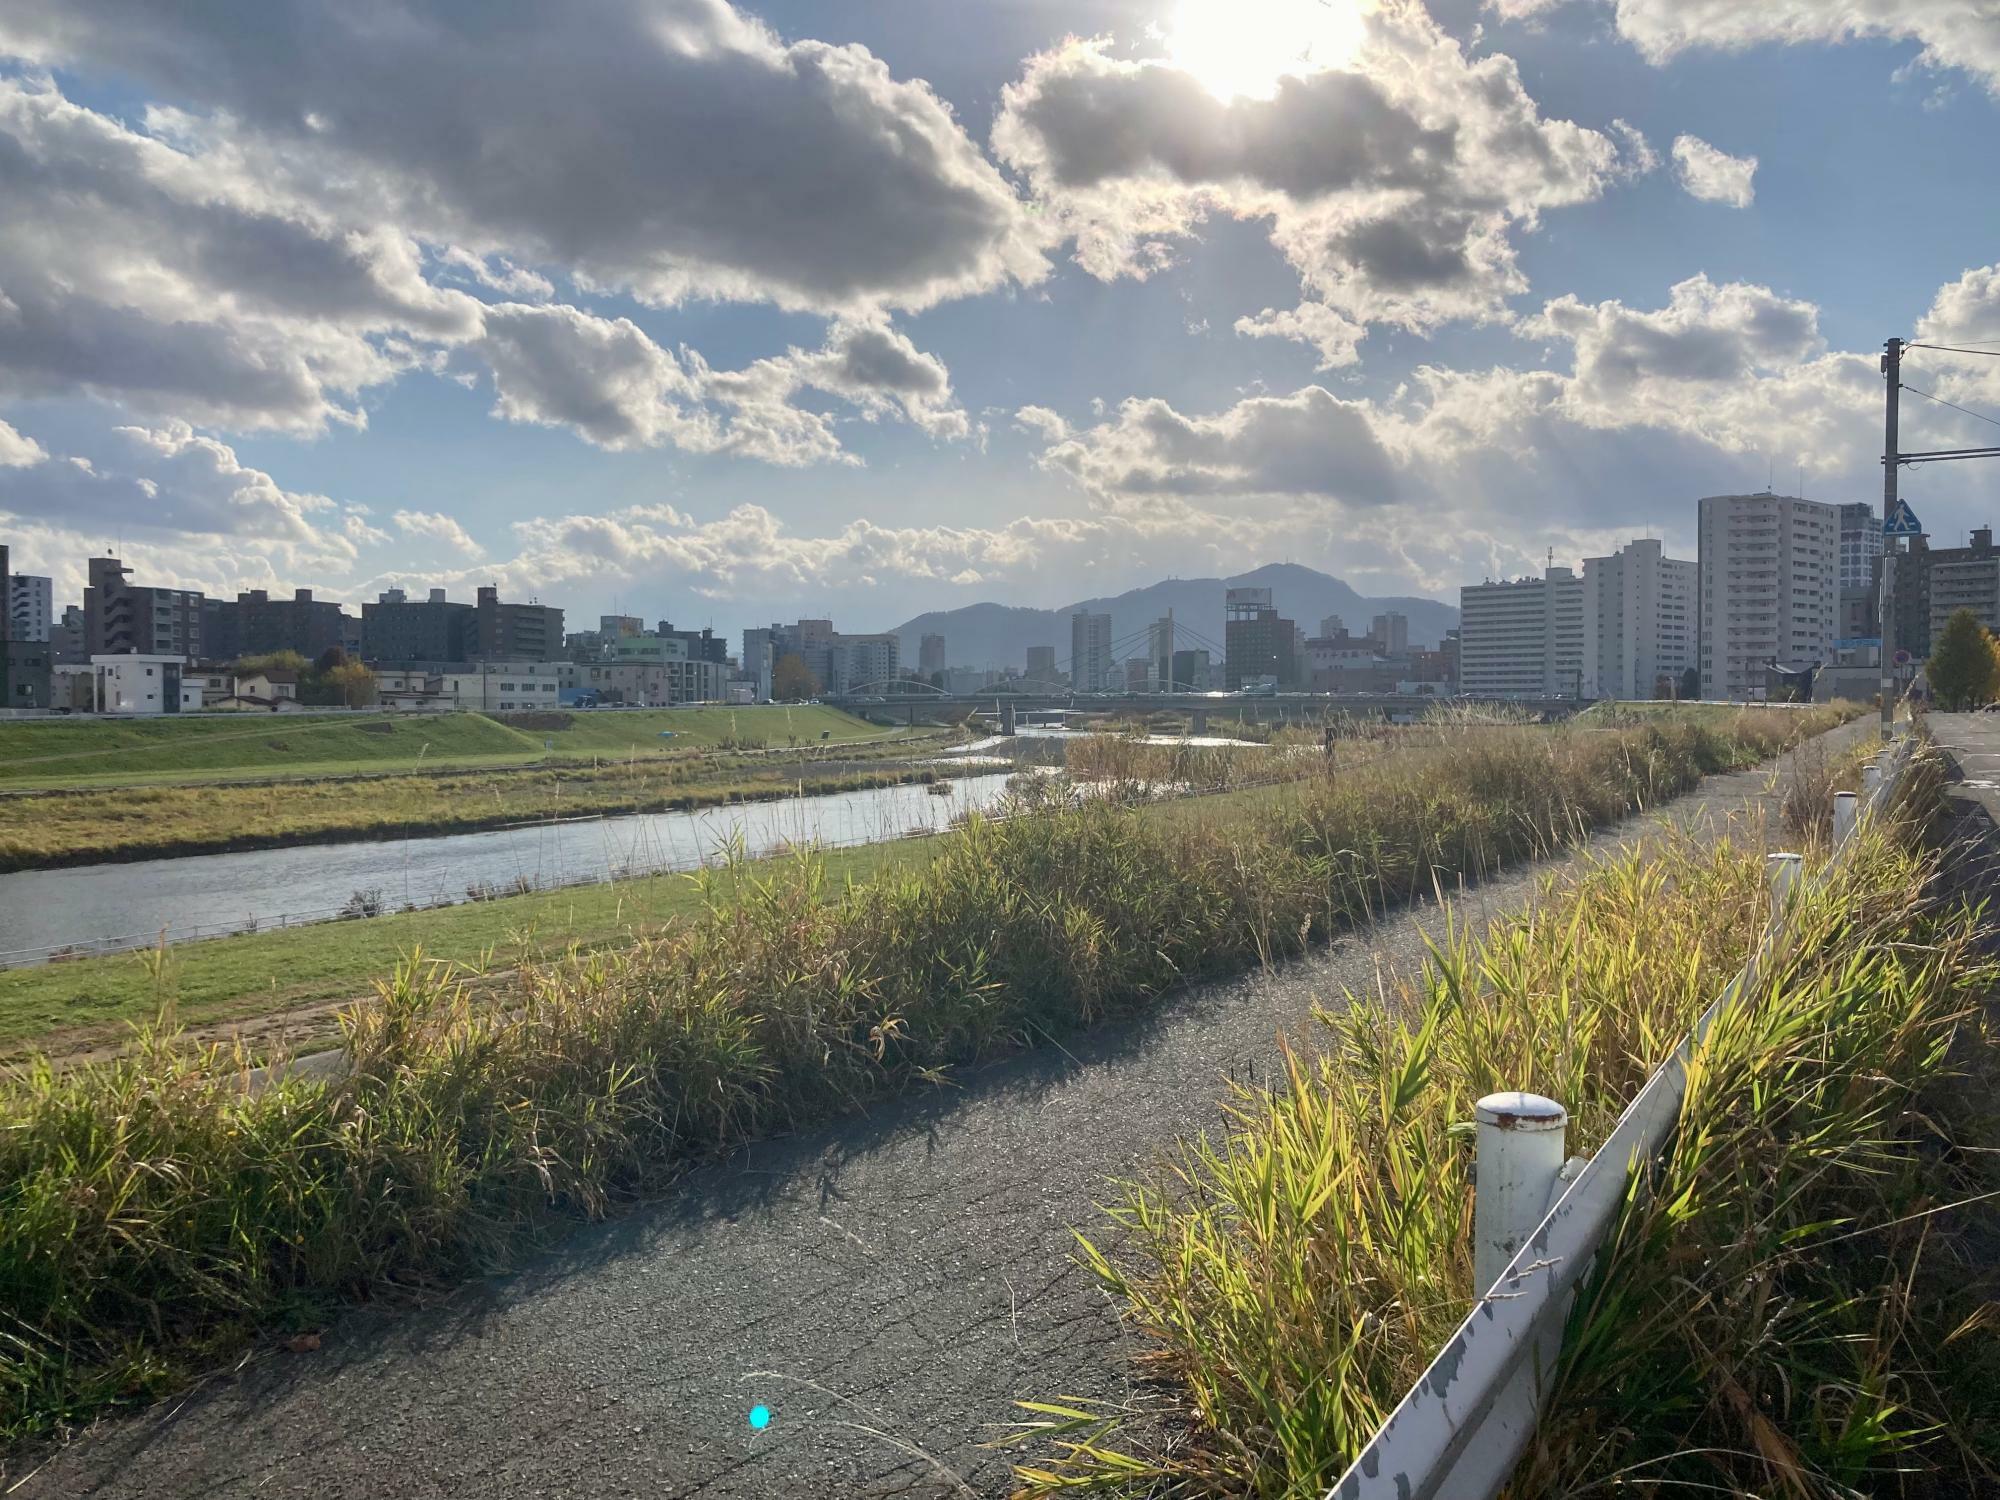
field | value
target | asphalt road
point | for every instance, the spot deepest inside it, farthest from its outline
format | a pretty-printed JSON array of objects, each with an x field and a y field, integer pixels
[{"x": 887, "y": 1286}]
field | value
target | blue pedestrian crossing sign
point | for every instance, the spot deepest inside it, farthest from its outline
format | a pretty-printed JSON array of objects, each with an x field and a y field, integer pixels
[{"x": 1903, "y": 521}]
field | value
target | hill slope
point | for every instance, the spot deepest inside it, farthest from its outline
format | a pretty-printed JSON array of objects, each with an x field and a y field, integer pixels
[{"x": 999, "y": 635}]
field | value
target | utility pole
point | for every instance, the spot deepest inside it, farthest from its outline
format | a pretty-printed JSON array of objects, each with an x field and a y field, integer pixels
[{"x": 1892, "y": 372}]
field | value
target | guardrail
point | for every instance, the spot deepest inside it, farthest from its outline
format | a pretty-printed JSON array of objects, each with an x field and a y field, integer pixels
[{"x": 1538, "y": 1221}]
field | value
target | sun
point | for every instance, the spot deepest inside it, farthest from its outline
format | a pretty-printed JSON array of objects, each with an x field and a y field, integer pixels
[{"x": 1241, "y": 48}]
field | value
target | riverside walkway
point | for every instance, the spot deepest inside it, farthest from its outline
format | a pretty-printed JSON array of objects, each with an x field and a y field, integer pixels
[{"x": 886, "y": 1286}]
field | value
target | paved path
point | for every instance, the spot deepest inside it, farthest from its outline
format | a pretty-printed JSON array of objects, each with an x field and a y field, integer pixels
[{"x": 887, "y": 1285}]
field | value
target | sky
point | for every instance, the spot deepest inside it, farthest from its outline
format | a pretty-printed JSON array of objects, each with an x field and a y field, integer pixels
[{"x": 726, "y": 314}]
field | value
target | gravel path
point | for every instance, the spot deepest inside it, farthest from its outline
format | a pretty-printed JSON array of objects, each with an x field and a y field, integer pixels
[{"x": 887, "y": 1286}]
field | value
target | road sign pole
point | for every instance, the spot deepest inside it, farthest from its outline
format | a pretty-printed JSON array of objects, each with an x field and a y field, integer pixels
[{"x": 1892, "y": 372}]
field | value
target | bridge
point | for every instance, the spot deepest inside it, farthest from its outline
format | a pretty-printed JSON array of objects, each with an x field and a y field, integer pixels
[{"x": 1009, "y": 705}]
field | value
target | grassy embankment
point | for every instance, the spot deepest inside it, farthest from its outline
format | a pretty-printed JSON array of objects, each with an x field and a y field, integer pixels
[
  {"x": 154, "y": 1214},
  {"x": 84, "y": 826},
  {"x": 1788, "y": 1313},
  {"x": 39, "y": 753}
]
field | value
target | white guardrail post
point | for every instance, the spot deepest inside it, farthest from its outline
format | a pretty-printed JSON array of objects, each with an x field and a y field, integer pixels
[{"x": 1457, "y": 1433}]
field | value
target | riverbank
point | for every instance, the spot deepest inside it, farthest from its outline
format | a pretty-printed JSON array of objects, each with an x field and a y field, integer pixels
[
  {"x": 89, "y": 827},
  {"x": 456, "y": 1126},
  {"x": 164, "y": 749}
]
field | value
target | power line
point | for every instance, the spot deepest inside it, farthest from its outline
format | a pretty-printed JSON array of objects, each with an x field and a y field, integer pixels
[
  {"x": 1993, "y": 353},
  {"x": 1952, "y": 404}
]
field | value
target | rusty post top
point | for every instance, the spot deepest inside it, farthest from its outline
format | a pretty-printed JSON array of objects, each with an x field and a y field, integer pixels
[{"x": 1514, "y": 1110}]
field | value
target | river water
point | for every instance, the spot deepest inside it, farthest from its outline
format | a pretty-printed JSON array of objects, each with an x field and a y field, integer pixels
[{"x": 99, "y": 908}]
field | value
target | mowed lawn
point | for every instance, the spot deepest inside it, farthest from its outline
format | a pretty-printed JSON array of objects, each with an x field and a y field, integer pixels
[{"x": 37, "y": 753}]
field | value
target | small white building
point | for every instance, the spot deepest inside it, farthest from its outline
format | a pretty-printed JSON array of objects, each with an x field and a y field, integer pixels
[
  {"x": 503, "y": 686},
  {"x": 135, "y": 684}
]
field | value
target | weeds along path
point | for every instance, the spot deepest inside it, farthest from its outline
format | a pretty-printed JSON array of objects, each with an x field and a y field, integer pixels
[{"x": 886, "y": 1286}]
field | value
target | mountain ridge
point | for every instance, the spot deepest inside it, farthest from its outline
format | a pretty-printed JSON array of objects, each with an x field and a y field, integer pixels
[{"x": 988, "y": 635}]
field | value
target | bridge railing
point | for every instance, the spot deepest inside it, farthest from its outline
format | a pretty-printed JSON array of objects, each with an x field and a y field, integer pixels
[{"x": 1460, "y": 1430}]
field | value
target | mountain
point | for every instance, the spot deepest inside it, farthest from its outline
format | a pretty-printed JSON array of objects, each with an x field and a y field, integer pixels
[{"x": 999, "y": 635}]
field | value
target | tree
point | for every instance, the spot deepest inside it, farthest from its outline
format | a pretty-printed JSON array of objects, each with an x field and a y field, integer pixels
[
  {"x": 1691, "y": 683},
  {"x": 792, "y": 680},
  {"x": 1964, "y": 670},
  {"x": 350, "y": 684},
  {"x": 272, "y": 661}
]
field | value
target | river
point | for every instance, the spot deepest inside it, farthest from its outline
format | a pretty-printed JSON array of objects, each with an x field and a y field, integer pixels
[{"x": 99, "y": 908}]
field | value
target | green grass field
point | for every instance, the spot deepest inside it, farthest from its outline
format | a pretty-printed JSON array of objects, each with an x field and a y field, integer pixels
[{"x": 38, "y": 753}]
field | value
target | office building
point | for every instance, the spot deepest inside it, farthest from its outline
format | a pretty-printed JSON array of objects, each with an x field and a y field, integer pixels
[
  {"x": 1041, "y": 664},
  {"x": 30, "y": 606},
  {"x": 759, "y": 658},
  {"x": 702, "y": 645},
  {"x": 1770, "y": 589},
  {"x": 504, "y": 686},
  {"x": 1192, "y": 673},
  {"x": 1638, "y": 622},
  {"x": 1258, "y": 645},
  {"x": 637, "y": 683},
  {"x": 1522, "y": 638},
  {"x": 611, "y": 627},
  {"x": 930, "y": 655},
  {"x": 120, "y": 617},
  {"x": 1391, "y": 631},
  {"x": 1091, "y": 669}
]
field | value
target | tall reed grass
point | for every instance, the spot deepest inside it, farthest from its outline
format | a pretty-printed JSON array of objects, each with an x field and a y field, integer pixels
[
  {"x": 155, "y": 1211},
  {"x": 1751, "y": 1328}
]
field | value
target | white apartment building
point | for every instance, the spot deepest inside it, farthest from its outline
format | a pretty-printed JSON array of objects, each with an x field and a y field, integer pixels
[
  {"x": 645, "y": 684},
  {"x": 1639, "y": 621},
  {"x": 1860, "y": 545},
  {"x": 1970, "y": 580},
  {"x": 30, "y": 606},
  {"x": 1770, "y": 588},
  {"x": 127, "y": 683},
  {"x": 1522, "y": 638}
]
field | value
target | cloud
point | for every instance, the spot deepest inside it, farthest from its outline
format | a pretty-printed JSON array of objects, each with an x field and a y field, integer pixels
[
  {"x": 18, "y": 452},
  {"x": 438, "y": 527},
  {"x": 1337, "y": 338},
  {"x": 1393, "y": 186},
  {"x": 747, "y": 168},
  {"x": 167, "y": 485},
  {"x": 1714, "y": 176},
  {"x": 133, "y": 271},
  {"x": 607, "y": 380},
  {"x": 1951, "y": 33}
]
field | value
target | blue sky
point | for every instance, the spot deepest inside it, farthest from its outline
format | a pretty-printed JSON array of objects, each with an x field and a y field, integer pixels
[{"x": 730, "y": 314}]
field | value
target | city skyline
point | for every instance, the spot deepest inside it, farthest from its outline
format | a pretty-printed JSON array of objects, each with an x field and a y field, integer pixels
[{"x": 1409, "y": 322}]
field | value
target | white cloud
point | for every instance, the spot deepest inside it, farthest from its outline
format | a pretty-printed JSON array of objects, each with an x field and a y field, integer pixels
[
  {"x": 1712, "y": 175},
  {"x": 169, "y": 488},
  {"x": 18, "y": 452},
  {"x": 1952, "y": 33},
  {"x": 437, "y": 527},
  {"x": 747, "y": 168},
  {"x": 1393, "y": 185},
  {"x": 1335, "y": 337}
]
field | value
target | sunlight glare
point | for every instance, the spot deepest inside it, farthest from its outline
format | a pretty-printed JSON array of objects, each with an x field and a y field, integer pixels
[{"x": 1241, "y": 48}]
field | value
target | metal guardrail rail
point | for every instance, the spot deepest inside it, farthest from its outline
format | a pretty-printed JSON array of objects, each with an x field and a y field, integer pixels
[{"x": 1460, "y": 1430}]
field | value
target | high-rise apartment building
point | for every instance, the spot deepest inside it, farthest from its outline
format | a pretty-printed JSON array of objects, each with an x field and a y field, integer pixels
[
  {"x": 1860, "y": 545},
  {"x": 1042, "y": 665},
  {"x": 864, "y": 664},
  {"x": 1160, "y": 652},
  {"x": 930, "y": 655},
  {"x": 1522, "y": 638},
  {"x": 397, "y": 628},
  {"x": 1770, "y": 588},
  {"x": 29, "y": 602},
  {"x": 1091, "y": 669},
  {"x": 253, "y": 624},
  {"x": 1961, "y": 578},
  {"x": 1391, "y": 632},
  {"x": 515, "y": 632},
  {"x": 1638, "y": 622},
  {"x": 120, "y": 618}
]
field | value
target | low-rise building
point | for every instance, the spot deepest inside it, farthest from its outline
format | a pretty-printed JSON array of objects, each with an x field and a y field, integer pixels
[
  {"x": 504, "y": 686},
  {"x": 130, "y": 683}
]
